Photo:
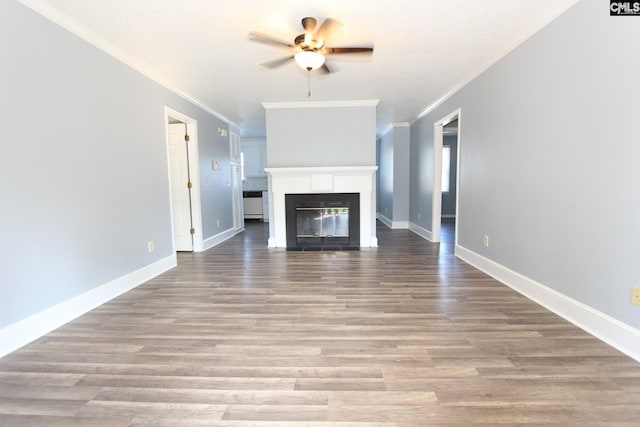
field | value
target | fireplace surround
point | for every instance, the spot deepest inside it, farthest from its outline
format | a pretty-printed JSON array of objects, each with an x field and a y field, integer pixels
[{"x": 322, "y": 180}]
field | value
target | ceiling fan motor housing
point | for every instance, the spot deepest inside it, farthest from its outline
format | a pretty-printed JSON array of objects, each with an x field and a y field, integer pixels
[{"x": 307, "y": 42}]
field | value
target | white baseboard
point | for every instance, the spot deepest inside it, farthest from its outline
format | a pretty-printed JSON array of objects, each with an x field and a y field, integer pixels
[
  {"x": 18, "y": 334},
  {"x": 617, "y": 334},
  {"x": 394, "y": 225},
  {"x": 400, "y": 225},
  {"x": 421, "y": 231},
  {"x": 383, "y": 219},
  {"x": 220, "y": 237}
]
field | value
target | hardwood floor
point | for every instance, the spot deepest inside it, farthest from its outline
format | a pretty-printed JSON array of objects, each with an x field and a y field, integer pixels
[{"x": 243, "y": 335}]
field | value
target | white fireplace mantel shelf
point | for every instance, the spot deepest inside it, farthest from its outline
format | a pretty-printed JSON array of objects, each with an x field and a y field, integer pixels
[{"x": 330, "y": 179}]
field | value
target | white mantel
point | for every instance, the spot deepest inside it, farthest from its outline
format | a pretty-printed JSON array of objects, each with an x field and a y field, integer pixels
[{"x": 307, "y": 180}]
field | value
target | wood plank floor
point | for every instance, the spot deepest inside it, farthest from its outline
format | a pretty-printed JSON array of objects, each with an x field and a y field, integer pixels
[{"x": 243, "y": 335}]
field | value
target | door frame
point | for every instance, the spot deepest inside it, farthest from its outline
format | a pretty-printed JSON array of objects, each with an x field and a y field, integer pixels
[
  {"x": 436, "y": 204},
  {"x": 194, "y": 172},
  {"x": 235, "y": 165}
]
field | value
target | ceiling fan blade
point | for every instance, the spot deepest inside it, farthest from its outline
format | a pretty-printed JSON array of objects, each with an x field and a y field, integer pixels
[
  {"x": 324, "y": 69},
  {"x": 277, "y": 62},
  {"x": 340, "y": 50},
  {"x": 265, "y": 38},
  {"x": 329, "y": 29}
]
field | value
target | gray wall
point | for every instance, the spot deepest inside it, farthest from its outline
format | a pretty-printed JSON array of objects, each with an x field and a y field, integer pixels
[
  {"x": 83, "y": 169},
  {"x": 549, "y": 150},
  {"x": 401, "y": 144},
  {"x": 394, "y": 178},
  {"x": 421, "y": 173},
  {"x": 378, "y": 158},
  {"x": 215, "y": 191},
  {"x": 318, "y": 136},
  {"x": 385, "y": 175}
]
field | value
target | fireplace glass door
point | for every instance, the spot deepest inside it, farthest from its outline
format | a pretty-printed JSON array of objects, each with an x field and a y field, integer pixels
[{"x": 322, "y": 222}]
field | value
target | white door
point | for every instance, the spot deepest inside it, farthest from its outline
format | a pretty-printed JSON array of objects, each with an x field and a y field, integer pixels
[
  {"x": 236, "y": 194},
  {"x": 180, "y": 193}
]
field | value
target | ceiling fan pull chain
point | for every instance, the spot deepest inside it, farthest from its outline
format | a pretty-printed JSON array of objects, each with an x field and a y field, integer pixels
[{"x": 309, "y": 84}]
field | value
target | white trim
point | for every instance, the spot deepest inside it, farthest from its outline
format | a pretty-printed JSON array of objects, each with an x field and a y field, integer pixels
[
  {"x": 341, "y": 170},
  {"x": 459, "y": 145},
  {"x": 307, "y": 180},
  {"x": 400, "y": 225},
  {"x": 436, "y": 202},
  {"x": 196, "y": 194},
  {"x": 320, "y": 104},
  {"x": 74, "y": 27},
  {"x": 21, "y": 333},
  {"x": 391, "y": 126},
  {"x": 394, "y": 225},
  {"x": 617, "y": 334},
  {"x": 194, "y": 172},
  {"x": 386, "y": 221},
  {"x": 489, "y": 62},
  {"x": 421, "y": 231},
  {"x": 221, "y": 237}
]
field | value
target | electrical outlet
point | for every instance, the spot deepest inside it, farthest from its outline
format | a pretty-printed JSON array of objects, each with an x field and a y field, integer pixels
[
  {"x": 150, "y": 246},
  {"x": 635, "y": 296},
  {"x": 485, "y": 241}
]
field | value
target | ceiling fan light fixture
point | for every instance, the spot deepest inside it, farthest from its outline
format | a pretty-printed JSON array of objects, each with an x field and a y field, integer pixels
[{"x": 309, "y": 60}]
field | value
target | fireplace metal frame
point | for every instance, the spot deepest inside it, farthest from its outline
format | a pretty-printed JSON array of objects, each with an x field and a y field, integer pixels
[{"x": 323, "y": 200}]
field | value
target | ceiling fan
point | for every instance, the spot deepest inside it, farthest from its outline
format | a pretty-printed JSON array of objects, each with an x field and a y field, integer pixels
[{"x": 310, "y": 48}]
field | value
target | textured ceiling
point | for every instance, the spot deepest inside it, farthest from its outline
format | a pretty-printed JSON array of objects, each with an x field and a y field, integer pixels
[{"x": 423, "y": 48}]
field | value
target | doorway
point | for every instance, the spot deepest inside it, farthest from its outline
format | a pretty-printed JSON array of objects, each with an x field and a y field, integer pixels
[
  {"x": 236, "y": 163},
  {"x": 449, "y": 128},
  {"x": 182, "y": 150}
]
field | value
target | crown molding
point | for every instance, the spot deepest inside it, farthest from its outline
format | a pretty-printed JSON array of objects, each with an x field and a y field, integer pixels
[
  {"x": 66, "y": 22},
  {"x": 490, "y": 62},
  {"x": 320, "y": 104},
  {"x": 394, "y": 125}
]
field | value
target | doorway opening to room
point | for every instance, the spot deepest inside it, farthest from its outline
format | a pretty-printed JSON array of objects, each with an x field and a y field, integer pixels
[
  {"x": 449, "y": 181},
  {"x": 182, "y": 149},
  {"x": 446, "y": 179}
]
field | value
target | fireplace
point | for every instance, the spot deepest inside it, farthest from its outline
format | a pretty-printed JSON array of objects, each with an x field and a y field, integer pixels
[
  {"x": 324, "y": 180},
  {"x": 327, "y": 221}
]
